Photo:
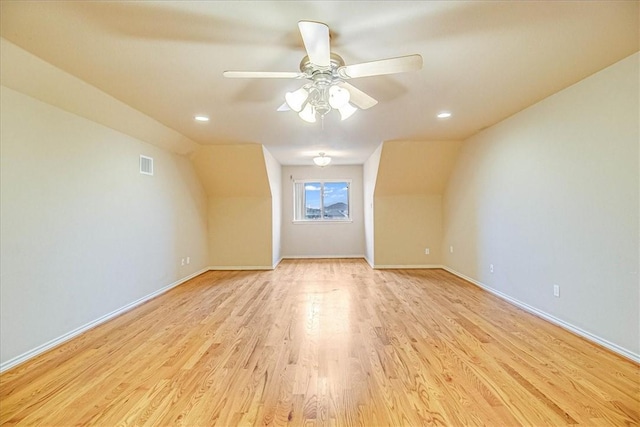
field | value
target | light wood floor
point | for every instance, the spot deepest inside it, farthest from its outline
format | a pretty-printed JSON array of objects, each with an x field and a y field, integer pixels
[{"x": 322, "y": 342}]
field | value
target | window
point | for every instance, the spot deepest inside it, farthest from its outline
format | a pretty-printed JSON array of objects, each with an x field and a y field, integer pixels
[{"x": 321, "y": 200}]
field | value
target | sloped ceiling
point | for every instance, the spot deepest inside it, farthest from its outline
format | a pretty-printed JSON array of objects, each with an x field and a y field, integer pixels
[
  {"x": 26, "y": 73},
  {"x": 232, "y": 170},
  {"x": 415, "y": 167},
  {"x": 484, "y": 61}
]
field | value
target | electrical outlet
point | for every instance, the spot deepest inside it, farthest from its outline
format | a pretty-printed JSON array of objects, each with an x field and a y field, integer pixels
[
  {"x": 556, "y": 291},
  {"x": 426, "y": 251},
  {"x": 182, "y": 261},
  {"x": 450, "y": 249},
  {"x": 490, "y": 268},
  {"x": 188, "y": 260}
]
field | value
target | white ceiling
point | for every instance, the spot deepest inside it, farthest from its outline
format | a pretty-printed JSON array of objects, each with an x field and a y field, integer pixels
[{"x": 483, "y": 61}]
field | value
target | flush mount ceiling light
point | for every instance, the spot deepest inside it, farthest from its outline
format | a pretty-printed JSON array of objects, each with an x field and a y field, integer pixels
[
  {"x": 327, "y": 89},
  {"x": 322, "y": 160},
  {"x": 444, "y": 114},
  {"x": 201, "y": 118}
]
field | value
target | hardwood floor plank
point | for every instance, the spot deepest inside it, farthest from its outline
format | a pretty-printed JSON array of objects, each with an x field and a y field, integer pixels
[{"x": 322, "y": 343}]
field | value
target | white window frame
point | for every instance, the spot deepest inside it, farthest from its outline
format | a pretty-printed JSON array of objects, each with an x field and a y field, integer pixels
[{"x": 322, "y": 219}]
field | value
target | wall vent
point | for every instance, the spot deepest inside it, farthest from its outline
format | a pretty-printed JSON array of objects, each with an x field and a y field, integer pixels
[{"x": 146, "y": 165}]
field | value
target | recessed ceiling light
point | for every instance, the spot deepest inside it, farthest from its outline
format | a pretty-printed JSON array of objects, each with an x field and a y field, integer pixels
[
  {"x": 444, "y": 115},
  {"x": 200, "y": 118}
]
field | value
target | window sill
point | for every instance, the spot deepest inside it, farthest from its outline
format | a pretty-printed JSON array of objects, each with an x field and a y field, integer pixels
[{"x": 324, "y": 221}]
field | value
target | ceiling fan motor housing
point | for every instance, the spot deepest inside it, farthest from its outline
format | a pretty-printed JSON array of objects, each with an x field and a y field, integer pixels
[
  {"x": 316, "y": 72},
  {"x": 323, "y": 78}
]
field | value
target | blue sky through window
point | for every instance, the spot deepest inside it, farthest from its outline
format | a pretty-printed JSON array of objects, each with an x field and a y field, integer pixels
[
  {"x": 335, "y": 192},
  {"x": 322, "y": 200},
  {"x": 312, "y": 195}
]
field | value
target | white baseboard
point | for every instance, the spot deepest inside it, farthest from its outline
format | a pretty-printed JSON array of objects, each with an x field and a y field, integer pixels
[
  {"x": 556, "y": 321},
  {"x": 66, "y": 337},
  {"x": 239, "y": 267},
  {"x": 406, "y": 267}
]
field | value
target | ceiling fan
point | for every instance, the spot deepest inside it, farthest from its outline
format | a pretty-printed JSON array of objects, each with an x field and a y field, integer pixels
[{"x": 327, "y": 72}]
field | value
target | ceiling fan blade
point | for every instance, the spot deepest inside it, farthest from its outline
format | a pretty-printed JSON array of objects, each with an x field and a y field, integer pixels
[
  {"x": 383, "y": 66},
  {"x": 358, "y": 97},
  {"x": 315, "y": 36},
  {"x": 284, "y": 107},
  {"x": 263, "y": 75}
]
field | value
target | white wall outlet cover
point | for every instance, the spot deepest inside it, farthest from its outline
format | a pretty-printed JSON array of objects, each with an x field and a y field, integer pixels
[
  {"x": 450, "y": 249},
  {"x": 426, "y": 251}
]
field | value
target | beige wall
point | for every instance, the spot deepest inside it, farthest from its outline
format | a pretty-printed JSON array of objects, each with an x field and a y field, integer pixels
[
  {"x": 84, "y": 234},
  {"x": 328, "y": 239},
  {"x": 411, "y": 179},
  {"x": 405, "y": 226},
  {"x": 240, "y": 205},
  {"x": 240, "y": 232},
  {"x": 551, "y": 196}
]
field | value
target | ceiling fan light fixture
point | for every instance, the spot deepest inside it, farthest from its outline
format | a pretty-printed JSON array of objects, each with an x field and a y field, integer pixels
[
  {"x": 338, "y": 97},
  {"x": 326, "y": 72},
  {"x": 347, "y": 111},
  {"x": 308, "y": 114},
  {"x": 295, "y": 100},
  {"x": 322, "y": 160}
]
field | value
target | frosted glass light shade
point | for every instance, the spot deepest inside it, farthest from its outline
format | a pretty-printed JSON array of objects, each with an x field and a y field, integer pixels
[
  {"x": 322, "y": 160},
  {"x": 338, "y": 97},
  {"x": 347, "y": 111},
  {"x": 308, "y": 114},
  {"x": 311, "y": 100},
  {"x": 295, "y": 100}
]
